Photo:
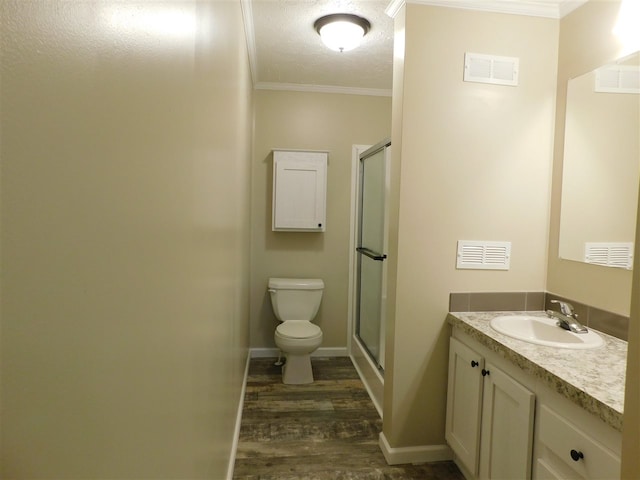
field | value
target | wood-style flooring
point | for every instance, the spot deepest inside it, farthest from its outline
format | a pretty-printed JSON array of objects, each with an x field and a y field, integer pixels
[{"x": 327, "y": 430}]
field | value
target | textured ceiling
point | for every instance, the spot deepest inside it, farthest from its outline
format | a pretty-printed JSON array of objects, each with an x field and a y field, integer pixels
[
  {"x": 289, "y": 50},
  {"x": 286, "y": 52}
]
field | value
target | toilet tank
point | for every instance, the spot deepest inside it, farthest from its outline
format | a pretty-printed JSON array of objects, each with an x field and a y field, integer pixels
[{"x": 295, "y": 298}]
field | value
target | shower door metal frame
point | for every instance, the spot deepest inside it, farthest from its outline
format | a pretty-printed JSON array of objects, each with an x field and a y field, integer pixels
[{"x": 376, "y": 256}]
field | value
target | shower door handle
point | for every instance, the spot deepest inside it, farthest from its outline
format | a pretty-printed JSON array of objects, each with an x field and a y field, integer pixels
[{"x": 371, "y": 254}]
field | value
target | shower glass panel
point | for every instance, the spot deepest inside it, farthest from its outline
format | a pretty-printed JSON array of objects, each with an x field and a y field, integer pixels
[
  {"x": 370, "y": 312},
  {"x": 372, "y": 209},
  {"x": 371, "y": 251}
]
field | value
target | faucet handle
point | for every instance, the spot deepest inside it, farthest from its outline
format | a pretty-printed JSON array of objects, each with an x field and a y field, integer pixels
[{"x": 565, "y": 307}]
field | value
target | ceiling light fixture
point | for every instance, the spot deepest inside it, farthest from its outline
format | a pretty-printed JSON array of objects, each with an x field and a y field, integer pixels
[{"x": 342, "y": 31}]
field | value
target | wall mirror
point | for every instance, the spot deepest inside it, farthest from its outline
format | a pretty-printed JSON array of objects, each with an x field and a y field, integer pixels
[{"x": 601, "y": 167}]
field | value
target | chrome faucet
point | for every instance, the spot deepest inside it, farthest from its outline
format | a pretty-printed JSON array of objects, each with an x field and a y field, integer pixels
[{"x": 567, "y": 318}]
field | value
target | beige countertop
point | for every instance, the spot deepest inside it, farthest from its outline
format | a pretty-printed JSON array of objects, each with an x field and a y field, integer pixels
[{"x": 592, "y": 378}]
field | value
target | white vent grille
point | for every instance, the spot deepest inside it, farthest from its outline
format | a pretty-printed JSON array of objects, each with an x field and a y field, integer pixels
[
  {"x": 491, "y": 69},
  {"x": 618, "y": 79},
  {"x": 480, "y": 255},
  {"x": 609, "y": 254}
]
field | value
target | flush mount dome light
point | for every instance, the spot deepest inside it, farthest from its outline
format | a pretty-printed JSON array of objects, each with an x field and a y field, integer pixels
[{"x": 342, "y": 31}]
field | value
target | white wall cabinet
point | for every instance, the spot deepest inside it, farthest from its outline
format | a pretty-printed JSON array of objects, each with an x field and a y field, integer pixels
[
  {"x": 489, "y": 422},
  {"x": 299, "y": 190}
]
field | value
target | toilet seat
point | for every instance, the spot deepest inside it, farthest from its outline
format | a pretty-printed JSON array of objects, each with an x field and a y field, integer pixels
[{"x": 298, "y": 329}]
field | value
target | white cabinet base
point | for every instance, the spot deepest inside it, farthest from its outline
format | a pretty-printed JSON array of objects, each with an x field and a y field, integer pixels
[
  {"x": 489, "y": 422},
  {"x": 513, "y": 443}
]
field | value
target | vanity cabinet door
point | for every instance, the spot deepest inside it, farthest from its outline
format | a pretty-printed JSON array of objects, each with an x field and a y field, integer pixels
[
  {"x": 507, "y": 427},
  {"x": 464, "y": 403}
]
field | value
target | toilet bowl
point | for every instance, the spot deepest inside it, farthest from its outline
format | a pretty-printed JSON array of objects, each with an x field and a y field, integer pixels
[{"x": 295, "y": 302}]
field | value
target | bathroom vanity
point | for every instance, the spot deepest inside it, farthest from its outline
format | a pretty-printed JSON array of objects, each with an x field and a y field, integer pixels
[{"x": 520, "y": 410}]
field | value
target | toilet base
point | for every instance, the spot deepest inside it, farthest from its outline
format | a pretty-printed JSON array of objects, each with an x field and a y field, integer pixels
[{"x": 297, "y": 370}]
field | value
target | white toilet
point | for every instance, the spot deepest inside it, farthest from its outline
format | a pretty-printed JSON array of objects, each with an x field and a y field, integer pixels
[{"x": 295, "y": 302}]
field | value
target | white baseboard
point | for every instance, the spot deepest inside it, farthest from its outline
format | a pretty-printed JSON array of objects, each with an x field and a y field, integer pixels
[
  {"x": 321, "y": 352},
  {"x": 417, "y": 454},
  {"x": 236, "y": 433},
  {"x": 264, "y": 352}
]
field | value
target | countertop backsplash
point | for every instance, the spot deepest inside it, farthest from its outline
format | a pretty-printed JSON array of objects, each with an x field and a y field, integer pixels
[{"x": 601, "y": 320}]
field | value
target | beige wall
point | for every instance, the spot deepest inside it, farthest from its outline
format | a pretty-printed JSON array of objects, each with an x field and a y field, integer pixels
[
  {"x": 586, "y": 42},
  {"x": 313, "y": 121},
  {"x": 125, "y": 200},
  {"x": 399, "y": 27},
  {"x": 475, "y": 165}
]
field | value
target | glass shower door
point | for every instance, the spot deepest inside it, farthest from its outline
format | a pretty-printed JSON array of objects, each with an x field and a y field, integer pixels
[{"x": 371, "y": 250}]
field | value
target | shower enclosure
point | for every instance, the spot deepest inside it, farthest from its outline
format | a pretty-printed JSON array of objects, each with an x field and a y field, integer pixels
[{"x": 371, "y": 250}]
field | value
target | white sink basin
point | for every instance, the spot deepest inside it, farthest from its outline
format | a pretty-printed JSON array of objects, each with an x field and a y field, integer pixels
[{"x": 544, "y": 331}]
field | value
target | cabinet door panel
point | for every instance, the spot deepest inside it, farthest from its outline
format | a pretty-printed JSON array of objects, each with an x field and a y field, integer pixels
[
  {"x": 299, "y": 191},
  {"x": 561, "y": 437},
  {"x": 464, "y": 402},
  {"x": 507, "y": 427}
]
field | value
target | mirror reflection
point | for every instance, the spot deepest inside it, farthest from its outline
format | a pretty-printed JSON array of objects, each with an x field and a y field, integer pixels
[{"x": 601, "y": 167}]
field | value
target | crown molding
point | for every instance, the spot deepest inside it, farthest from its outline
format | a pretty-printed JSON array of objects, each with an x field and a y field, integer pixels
[
  {"x": 548, "y": 9},
  {"x": 298, "y": 87},
  {"x": 394, "y": 7}
]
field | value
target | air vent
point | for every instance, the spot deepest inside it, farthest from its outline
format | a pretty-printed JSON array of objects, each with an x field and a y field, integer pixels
[
  {"x": 609, "y": 254},
  {"x": 618, "y": 79},
  {"x": 481, "y": 255},
  {"x": 492, "y": 69}
]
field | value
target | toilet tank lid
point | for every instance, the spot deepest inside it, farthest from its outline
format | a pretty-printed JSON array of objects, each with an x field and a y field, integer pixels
[{"x": 296, "y": 283}]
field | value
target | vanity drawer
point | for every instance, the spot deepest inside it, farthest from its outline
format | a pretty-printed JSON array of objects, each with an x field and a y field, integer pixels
[{"x": 579, "y": 451}]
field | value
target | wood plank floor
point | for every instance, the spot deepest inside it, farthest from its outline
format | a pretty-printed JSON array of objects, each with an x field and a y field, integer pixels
[{"x": 326, "y": 430}]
